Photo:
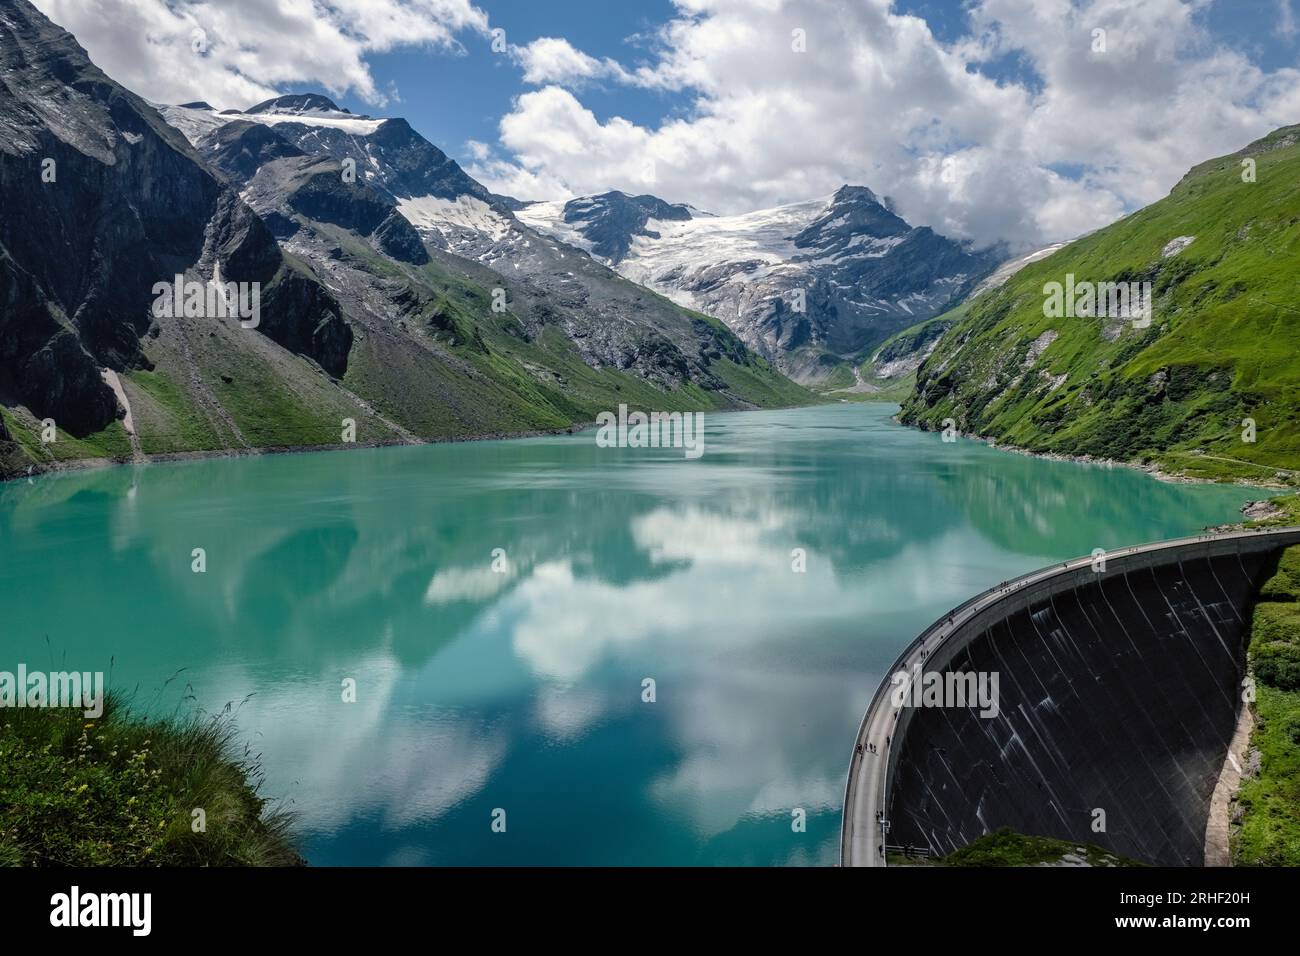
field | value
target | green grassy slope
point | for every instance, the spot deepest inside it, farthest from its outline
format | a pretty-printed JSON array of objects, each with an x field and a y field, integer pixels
[
  {"x": 1005, "y": 847},
  {"x": 457, "y": 369},
  {"x": 1220, "y": 348},
  {"x": 1268, "y": 831},
  {"x": 1285, "y": 515},
  {"x": 122, "y": 791},
  {"x": 892, "y": 367},
  {"x": 25, "y": 446}
]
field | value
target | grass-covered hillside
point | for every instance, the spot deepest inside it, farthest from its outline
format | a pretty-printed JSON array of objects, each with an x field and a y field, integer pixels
[
  {"x": 1267, "y": 830},
  {"x": 121, "y": 791},
  {"x": 889, "y": 375},
  {"x": 1005, "y": 847},
  {"x": 1221, "y": 254}
]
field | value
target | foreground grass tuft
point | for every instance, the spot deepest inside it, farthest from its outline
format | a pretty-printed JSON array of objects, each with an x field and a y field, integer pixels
[
  {"x": 123, "y": 791},
  {"x": 1005, "y": 847}
]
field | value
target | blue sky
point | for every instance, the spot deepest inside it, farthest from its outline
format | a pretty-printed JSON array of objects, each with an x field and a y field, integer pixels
[
  {"x": 456, "y": 97},
  {"x": 987, "y": 119},
  {"x": 452, "y": 98}
]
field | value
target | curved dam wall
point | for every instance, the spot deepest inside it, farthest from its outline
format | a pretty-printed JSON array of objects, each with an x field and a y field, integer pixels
[{"x": 1118, "y": 693}]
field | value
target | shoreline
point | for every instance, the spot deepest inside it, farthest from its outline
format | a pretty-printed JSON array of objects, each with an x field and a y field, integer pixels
[
  {"x": 573, "y": 428},
  {"x": 1153, "y": 470},
  {"x": 91, "y": 464},
  {"x": 88, "y": 464}
]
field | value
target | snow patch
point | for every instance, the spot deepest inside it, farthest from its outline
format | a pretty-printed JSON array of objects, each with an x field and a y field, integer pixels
[
  {"x": 198, "y": 123},
  {"x": 548, "y": 219},
  {"x": 452, "y": 216},
  {"x": 686, "y": 248},
  {"x": 343, "y": 121},
  {"x": 193, "y": 124},
  {"x": 1012, "y": 266}
]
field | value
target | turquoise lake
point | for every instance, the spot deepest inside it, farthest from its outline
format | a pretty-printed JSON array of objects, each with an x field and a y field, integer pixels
[{"x": 519, "y": 686}]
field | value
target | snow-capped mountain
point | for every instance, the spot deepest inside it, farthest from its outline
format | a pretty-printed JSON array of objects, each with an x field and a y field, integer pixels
[
  {"x": 290, "y": 156},
  {"x": 364, "y": 328},
  {"x": 451, "y": 210},
  {"x": 604, "y": 225},
  {"x": 807, "y": 285},
  {"x": 386, "y": 153}
]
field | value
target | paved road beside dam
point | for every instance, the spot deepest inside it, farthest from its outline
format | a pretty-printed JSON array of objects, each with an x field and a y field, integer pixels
[{"x": 1119, "y": 688}]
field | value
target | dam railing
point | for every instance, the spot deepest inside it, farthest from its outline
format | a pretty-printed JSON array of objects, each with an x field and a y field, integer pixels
[{"x": 871, "y": 767}]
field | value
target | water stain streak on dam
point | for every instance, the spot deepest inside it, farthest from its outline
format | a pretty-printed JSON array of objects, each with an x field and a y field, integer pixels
[{"x": 1119, "y": 691}]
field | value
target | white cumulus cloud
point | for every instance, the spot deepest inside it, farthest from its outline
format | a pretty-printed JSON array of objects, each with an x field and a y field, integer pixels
[
  {"x": 556, "y": 60},
  {"x": 789, "y": 99},
  {"x": 233, "y": 53}
]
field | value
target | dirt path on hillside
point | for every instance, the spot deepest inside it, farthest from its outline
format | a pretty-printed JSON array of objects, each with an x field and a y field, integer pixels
[{"x": 128, "y": 422}]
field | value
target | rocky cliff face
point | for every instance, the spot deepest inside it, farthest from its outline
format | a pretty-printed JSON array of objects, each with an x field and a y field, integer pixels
[
  {"x": 395, "y": 292},
  {"x": 318, "y": 187},
  {"x": 550, "y": 285},
  {"x": 241, "y": 148},
  {"x": 320, "y": 193},
  {"x": 90, "y": 179},
  {"x": 385, "y": 153},
  {"x": 102, "y": 200},
  {"x": 297, "y": 312}
]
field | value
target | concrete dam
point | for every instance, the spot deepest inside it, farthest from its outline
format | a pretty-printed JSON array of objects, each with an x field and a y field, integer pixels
[{"x": 1119, "y": 686}]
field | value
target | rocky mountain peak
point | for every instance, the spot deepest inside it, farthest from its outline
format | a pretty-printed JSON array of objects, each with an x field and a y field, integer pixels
[
  {"x": 854, "y": 194},
  {"x": 298, "y": 104},
  {"x": 610, "y": 221},
  {"x": 852, "y": 211},
  {"x": 808, "y": 285}
]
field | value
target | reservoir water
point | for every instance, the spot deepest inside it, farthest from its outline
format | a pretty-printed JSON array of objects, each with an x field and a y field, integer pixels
[{"x": 501, "y": 606}]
